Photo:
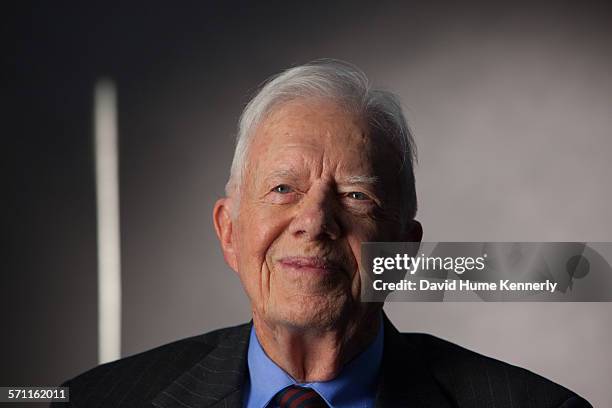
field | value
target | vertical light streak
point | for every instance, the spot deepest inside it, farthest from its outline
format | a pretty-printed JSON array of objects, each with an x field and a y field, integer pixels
[{"x": 107, "y": 200}]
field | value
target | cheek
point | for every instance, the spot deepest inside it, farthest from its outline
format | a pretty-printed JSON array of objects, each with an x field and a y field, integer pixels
[
  {"x": 357, "y": 278},
  {"x": 363, "y": 230},
  {"x": 360, "y": 229},
  {"x": 257, "y": 233}
]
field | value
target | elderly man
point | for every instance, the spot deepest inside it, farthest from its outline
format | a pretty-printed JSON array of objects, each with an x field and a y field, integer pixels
[{"x": 322, "y": 163}]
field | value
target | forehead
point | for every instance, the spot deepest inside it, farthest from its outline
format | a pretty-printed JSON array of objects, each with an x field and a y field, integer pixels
[{"x": 317, "y": 133}]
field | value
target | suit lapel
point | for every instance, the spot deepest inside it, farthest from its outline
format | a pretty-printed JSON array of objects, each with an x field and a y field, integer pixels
[
  {"x": 406, "y": 378},
  {"x": 216, "y": 380}
]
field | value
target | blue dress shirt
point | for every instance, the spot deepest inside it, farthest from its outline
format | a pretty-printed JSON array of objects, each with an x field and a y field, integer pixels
[{"x": 355, "y": 387}]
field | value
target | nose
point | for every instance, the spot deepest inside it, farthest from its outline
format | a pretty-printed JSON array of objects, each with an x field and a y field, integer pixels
[{"x": 317, "y": 216}]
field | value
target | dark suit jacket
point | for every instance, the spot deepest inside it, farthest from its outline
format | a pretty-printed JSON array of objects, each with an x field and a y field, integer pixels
[{"x": 418, "y": 370}]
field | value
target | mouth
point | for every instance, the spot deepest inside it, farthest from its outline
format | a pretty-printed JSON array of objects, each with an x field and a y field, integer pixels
[{"x": 312, "y": 264}]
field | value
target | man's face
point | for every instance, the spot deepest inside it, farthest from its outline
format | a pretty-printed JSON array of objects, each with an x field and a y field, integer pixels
[{"x": 316, "y": 185}]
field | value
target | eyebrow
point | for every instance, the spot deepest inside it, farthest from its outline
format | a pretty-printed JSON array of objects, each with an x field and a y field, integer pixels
[
  {"x": 361, "y": 180},
  {"x": 355, "y": 179},
  {"x": 282, "y": 173}
]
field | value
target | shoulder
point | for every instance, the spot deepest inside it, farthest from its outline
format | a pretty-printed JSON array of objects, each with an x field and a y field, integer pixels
[
  {"x": 134, "y": 381},
  {"x": 478, "y": 380}
]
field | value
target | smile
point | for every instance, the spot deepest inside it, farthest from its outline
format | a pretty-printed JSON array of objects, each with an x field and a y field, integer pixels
[{"x": 308, "y": 264}]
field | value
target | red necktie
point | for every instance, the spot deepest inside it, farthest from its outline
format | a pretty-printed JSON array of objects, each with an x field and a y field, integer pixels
[{"x": 299, "y": 397}]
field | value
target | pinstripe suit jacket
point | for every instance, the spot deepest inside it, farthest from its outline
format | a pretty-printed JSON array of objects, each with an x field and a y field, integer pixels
[{"x": 418, "y": 370}]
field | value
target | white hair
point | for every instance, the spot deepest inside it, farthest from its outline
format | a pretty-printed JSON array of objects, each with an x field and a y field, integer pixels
[{"x": 347, "y": 85}]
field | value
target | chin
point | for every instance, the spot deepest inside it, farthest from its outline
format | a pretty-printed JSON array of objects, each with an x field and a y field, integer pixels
[{"x": 313, "y": 312}]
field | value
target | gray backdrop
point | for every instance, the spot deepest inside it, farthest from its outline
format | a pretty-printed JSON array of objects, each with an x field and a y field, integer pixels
[{"x": 510, "y": 105}]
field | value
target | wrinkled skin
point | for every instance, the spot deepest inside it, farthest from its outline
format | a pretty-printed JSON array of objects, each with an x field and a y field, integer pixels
[{"x": 316, "y": 185}]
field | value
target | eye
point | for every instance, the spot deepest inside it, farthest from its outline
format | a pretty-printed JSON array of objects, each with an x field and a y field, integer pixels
[
  {"x": 358, "y": 195},
  {"x": 282, "y": 189}
]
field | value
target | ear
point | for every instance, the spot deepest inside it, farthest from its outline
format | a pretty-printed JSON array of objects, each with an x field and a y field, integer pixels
[
  {"x": 413, "y": 232},
  {"x": 222, "y": 218}
]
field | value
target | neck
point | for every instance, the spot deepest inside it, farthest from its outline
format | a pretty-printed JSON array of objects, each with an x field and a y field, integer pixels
[{"x": 315, "y": 354}]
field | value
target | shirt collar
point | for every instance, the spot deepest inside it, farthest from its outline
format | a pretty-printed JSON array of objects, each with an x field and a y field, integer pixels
[{"x": 354, "y": 387}]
